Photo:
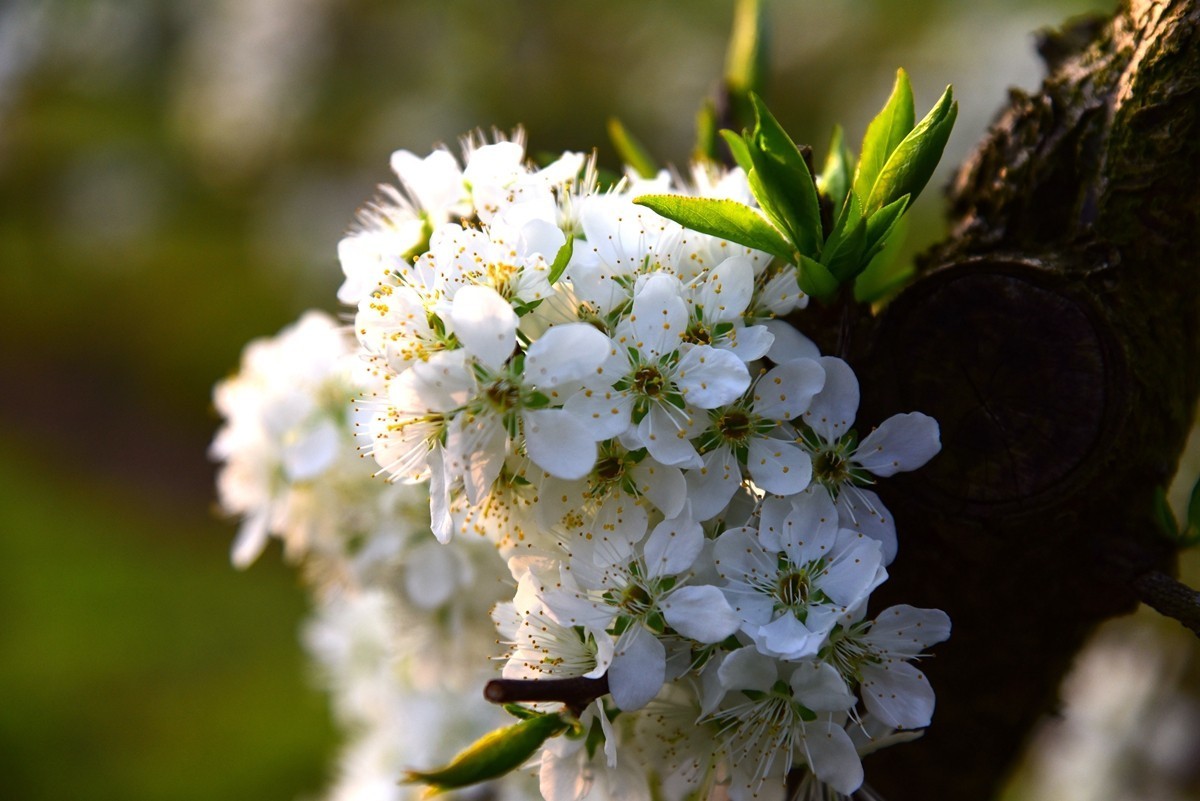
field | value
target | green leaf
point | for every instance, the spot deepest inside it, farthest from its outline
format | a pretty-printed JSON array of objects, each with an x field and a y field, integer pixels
[
  {"x": 911, "y": 164},
  {"x": 491, "y": 756},
  {"x": 815, "y": 279},
  {"x": 706, "y": 133},
  {"x": 562, "y": 259},
  {"x": 835, "y": 178},
  {"x": 844, "y": 250},
  {"x": 784, "y": 187},
  {"x": 726, "y": 219},
  {"x": 884, "y": 135},
  {"x": 881, "y": 223},
  {"x": 631, "y": 150},
  {"x": 746, "y": 59},
  {"x": 739, "y": 149},
  {"x": 884, "y": 274}
]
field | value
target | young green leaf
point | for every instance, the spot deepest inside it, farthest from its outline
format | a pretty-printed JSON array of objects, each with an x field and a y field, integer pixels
[
  {"x": 739, "y": 149},
  {"x": 631, "y": 150},
  {"x": 561, "y": 260},
  {"x": 884, "y": 274},
  {"x": 880, "y": 224},
  {"x": 815, "y": 279},
  {"x": 784, "y": 186},
  {"x": 834, "y": 181},
  {"x": 706, "y": 133},
  {"x": 844, "y": 250},
  {"x": 911, "y": 164},
  {"x": 884, "y": 135},
  {"x": 746, "y": 59},
  {"x": 726, "y": 219},
  {"x": 491, "y": 756}
]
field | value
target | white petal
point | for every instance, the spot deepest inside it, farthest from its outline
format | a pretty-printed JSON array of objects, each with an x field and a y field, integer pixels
[
  {"x": 820, "y": 687},
  {"x": 831, "y": 755},
  {"x": 905, "y": 630},
  {"x": 439, "y": 501},
  {"x": 862, "y": 510},
  {"x": 898, "y": 694},
  {"x": 664, "y": 486},
  {"x": 659, "y": 316},
  {"x": 603, "y": 411},
  {"x": 485, "y": 324},
  {"x": 700, "y": 613},
  {"x": 251, "y": 539},
  {"x": 740, "y": 559},
  {"x": 747, "y": 669},
  {"x": 673, "y": 546},
  {"x": 713, "y": 483},
  {"x": 787, "y": 390},
  {"x": 810, "y": 530},
  {"x": 779, "y": 466},
  {"x": 854, "y": 573},
  {"x": 789, "y": 343},
  {"x": 832, "y": 411},
  {"x": 638, "y": 669},
  {"x": 902, "y": 442},
  {"x": 558, "y": 444},
  {"x": 788, "y": 638},
  {"x": 661, "y": 434},
  {"x": 566, "y": 352},
  {"x": 727, "y": 291},
  {"x": 749, "y": 342},
  {"x": 309, "y": 455},
  {"x": 709, "y": 377}
]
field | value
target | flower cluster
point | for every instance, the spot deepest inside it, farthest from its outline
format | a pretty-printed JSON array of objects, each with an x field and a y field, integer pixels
[{"x": 651, "y": 478}]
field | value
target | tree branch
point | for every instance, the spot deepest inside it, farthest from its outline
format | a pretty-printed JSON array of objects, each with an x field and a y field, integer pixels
[{"x": 1170, "y": 597}]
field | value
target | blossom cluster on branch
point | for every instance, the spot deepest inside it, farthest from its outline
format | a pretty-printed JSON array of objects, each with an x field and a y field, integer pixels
[{"x": 635, "y": 469}]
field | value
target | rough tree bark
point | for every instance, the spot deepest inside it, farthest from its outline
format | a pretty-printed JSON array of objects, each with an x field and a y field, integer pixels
[{"x": 1055, "y": 336}]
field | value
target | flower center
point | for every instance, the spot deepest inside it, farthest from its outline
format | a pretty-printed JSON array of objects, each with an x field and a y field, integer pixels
[
  {"x": 830, "y": 468},
  {"x": 635, "y": 600},
  {"x": 698, "y": 334},
  {"x": 503, "y": 396},
  {"x": 793, "y": 589},
  {"x": 735, "y": 426},
  {"x": 609, "y": 469},
  {"x": 649, "y": 381}
]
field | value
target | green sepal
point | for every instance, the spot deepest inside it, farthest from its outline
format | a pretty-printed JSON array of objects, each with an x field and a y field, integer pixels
[
  {"x": 726, "y": 219},
  {"x": 739, "y": 149},
  {"x": 815, "y": 279},
  {"x": 520, "y": 712},
  {"x": 836, "y": 176},
  {"x": 491, "y": 756},
  {"x": 884, "y": 135},
  {"x": 785, "y": 187},
  {"x": 561, "y": 260},
  {"x": 911, "y": 164},
  {"x": 630, "y": 150}
]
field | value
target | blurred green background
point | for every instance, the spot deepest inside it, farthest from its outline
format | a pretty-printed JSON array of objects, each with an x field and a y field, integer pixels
[{"x": 174, "y": 177}]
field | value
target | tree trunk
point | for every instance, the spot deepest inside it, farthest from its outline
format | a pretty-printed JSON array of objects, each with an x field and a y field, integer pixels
[{"x": 1054, "y": 335}]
